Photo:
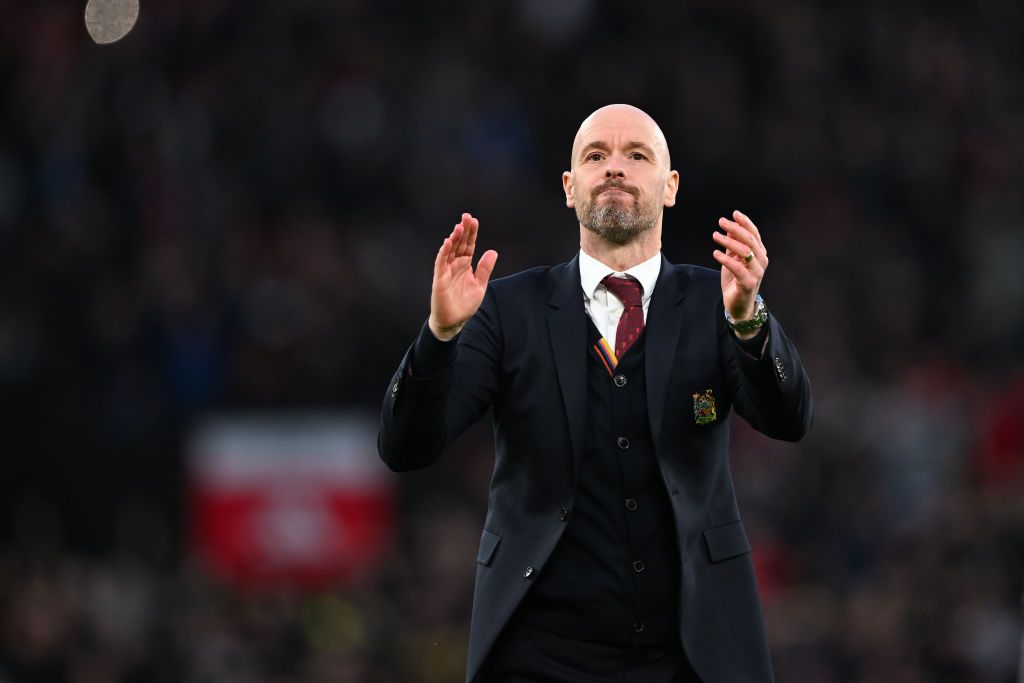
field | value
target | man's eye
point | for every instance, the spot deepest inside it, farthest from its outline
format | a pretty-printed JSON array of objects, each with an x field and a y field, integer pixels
[
  {"x": 637, "y": 156},
  {"x": 594, "y": 156}
]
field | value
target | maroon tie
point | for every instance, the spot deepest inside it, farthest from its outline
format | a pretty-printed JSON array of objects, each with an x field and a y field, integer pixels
[{"x": 630, "y": 292}]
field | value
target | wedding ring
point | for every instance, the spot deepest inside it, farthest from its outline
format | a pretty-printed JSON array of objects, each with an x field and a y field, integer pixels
[{"x": 749, "y": 257}]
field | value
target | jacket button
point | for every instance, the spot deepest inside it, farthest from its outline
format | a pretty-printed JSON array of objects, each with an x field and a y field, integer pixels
[
  {"x": 623, "y": 442},
  {"x": 563, "y": 514},
  {"x": 528, "y": 573},
  {"x": 638, "y": 566},
  {"x": 620, "y": 381},
  {"x": 631, "y": 504},
  {"x": 638, "y": 626}
]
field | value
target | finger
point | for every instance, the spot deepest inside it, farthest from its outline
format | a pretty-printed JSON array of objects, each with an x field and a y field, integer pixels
[
  {"x": 441, "y": 260},
  {"x": 467, "y": 225},
  {"x": 754, "y": 267},
  {"x": 732, "y": 244},
  {"x": 744, "y": 220},
  {"x": 458, "y": 232},
  {"x": 740, "y": 232},
  {"x": 465, "y": 222},
  {"x": 737, "y": 268},
  {"x": 743, "y": 234},
  {"x": 742, "y": 248},
  {"x": 738, "y": 250},
  {"x": 486, "y": 266},
  {"x": 474, "y": 227}
]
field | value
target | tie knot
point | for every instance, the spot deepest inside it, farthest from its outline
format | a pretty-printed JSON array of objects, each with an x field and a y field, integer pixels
[{"x": 628, "y": 290}]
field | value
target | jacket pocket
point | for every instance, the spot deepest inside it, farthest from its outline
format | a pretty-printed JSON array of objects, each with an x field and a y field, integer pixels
[
  {"x": 488, "y": 544},
  {"x": 728, "y": 540}
]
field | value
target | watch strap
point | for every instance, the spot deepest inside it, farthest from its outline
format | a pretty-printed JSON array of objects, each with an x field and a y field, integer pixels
[{"x": 751, "y": 324}]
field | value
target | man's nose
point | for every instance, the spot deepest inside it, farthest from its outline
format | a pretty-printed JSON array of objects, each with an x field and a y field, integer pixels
[{"x": 615, "y": 168}]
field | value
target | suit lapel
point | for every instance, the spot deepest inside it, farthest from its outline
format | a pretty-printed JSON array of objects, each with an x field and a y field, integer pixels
[
  {"x": 567, "y": 325},
  {"x": 664, "y": 319}
]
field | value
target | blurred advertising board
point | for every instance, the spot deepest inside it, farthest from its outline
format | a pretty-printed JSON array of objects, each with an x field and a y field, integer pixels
[{"x": 297, "y": 499}]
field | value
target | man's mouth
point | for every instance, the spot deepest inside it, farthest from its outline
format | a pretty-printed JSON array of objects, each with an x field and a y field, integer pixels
[{"x": 614, "y": 188}]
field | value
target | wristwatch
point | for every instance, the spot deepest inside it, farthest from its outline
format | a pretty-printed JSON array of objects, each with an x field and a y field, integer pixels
[{"x": 759, "y": 319}]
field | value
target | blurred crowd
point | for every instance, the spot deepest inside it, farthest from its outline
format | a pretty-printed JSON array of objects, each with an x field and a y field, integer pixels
[{"x": 237, "y": 207}]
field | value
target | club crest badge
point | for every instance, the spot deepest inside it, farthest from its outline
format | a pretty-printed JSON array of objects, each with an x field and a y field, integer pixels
[{"x": 704, "y": 412}]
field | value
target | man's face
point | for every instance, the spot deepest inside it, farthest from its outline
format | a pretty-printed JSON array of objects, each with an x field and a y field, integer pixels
[{"x": 620, "y": 177}]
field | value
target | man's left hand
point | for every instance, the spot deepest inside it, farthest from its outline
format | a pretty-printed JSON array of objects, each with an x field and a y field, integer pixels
[{"x": 741, "y": 279}]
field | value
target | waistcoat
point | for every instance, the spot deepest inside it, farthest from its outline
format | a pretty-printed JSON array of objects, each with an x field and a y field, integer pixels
[{"x": 614, "y": 576}]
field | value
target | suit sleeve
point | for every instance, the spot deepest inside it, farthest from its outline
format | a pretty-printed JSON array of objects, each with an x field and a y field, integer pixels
[
  {"x": 440, "y": 389},
  {"x": 772, "y": 392}
]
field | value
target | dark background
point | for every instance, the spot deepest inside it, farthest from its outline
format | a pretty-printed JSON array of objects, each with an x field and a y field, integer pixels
[{"x": 237, "y": 206}]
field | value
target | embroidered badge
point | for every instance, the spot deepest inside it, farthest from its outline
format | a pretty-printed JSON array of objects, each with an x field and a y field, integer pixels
[{"x": 704, "y": 408}]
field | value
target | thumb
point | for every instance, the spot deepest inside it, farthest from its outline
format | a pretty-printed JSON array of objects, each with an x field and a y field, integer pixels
[{"x": 486, "y": 266}]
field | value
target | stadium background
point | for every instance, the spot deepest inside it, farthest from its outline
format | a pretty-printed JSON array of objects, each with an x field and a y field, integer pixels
[{"x": 235, "y": 208}]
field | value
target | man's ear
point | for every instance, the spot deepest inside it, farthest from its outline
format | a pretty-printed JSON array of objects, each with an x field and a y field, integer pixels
[
  {"x": 671, "y": 187},
  {"x": 570, "y": 189}
]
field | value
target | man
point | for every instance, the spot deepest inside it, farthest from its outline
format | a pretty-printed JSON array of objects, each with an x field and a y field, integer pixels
[{"x": 613, "y": 548}]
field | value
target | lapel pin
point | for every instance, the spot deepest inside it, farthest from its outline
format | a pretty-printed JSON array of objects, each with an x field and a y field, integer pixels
[{"x": 704, "y": 408}]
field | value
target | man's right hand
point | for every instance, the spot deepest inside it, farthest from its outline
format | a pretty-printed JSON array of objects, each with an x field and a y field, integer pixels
[{"x": 457, "y": 290}]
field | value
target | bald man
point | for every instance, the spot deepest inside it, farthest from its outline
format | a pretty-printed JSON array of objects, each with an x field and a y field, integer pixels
[{"x": 613, "y": 548}]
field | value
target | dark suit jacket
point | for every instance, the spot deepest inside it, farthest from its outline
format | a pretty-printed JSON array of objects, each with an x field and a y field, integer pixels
[{"x": 524, "y": 353}]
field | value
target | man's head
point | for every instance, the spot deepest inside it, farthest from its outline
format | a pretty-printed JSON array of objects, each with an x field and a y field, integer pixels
[{"x": 620, "y": 176}]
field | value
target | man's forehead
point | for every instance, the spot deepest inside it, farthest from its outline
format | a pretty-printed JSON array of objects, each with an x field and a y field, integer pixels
[{"x": 618, "y": 124}]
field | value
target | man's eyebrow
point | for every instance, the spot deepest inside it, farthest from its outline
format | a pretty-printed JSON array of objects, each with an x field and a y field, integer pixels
[
  {"x": 632, "y": 144},
  {"x": 643, "y": 147},
  {"x": 596, "y": 144}
]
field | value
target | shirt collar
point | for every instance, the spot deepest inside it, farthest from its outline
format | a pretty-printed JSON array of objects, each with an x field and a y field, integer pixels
[{"x": 593, "y": 271}]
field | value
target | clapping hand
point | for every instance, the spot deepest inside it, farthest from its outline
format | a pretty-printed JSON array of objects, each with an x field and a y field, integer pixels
[
  {"x": 744, "y": 262},
  {"x": 458, "y": 290}
]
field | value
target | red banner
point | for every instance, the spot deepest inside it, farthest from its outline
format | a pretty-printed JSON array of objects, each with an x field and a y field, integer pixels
[{"x": 301, "y": 500}]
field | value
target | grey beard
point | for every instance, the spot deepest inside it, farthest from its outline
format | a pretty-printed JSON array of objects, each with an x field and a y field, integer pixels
[{"x": 617, "y": 224}]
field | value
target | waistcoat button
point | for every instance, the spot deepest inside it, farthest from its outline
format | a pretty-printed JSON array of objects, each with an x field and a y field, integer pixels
[
  {"x": 638, "y": 566},
  {"x": 638, "y": 626},
  {"x": 620, "y": 381},
  {"x": 631, "y": 504},
  {"x": 623, "y": 442},
  {"x": 528, "y": 573}
]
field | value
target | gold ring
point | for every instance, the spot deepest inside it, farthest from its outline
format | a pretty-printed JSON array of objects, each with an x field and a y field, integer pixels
[{"x": 749, "y": 257}]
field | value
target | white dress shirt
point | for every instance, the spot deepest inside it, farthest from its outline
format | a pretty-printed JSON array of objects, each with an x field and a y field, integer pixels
[{"x": 603, "y": 307}]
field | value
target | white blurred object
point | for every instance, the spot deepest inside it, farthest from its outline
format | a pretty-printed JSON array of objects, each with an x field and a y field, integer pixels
[{"x": 108, "y": 21}]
